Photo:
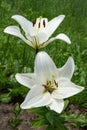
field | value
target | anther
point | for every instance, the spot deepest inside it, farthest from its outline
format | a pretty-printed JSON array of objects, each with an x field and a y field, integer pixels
[
  {"x": 39, "y": 25},
  {"x": 44, "y": 24},
  {"x": 34, "y": 22},
  {"x": 44, "y": 85},
  {"x": 56, "y": 83}
]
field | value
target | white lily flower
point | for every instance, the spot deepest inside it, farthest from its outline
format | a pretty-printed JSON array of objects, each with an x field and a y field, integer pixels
[
  {"x": 37, "y": 33},
  {"x": 48, "y": 85}
]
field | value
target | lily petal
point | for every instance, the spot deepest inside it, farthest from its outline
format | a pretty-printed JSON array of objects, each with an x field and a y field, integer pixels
[
  {"x": 53, "y": 24},
  {"x": 67, "y": 70},
  {"x": 57, "y": 105},
  {"x": 28, "y": 80},
  {"x": 44, "y": 67},
  {"x": 36, "y": 98},
  {"x": 14, "y": 30},
  {"x": 25, "y": 24},
  {"x": 38, "y": 41},
  {"x": 61, "y": 36},
  {"x": 66, "y": 89},
  {"x": 42, "y": 37}
]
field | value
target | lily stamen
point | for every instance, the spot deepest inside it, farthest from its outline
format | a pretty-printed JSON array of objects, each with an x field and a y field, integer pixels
[
  {"x": 56, "y": 83},
  {"x": 50, "y": 86},
  {"x": 34, "y": 22},
  {"x": 44, "y": 24},
  {"x": 39, "y": 25}
]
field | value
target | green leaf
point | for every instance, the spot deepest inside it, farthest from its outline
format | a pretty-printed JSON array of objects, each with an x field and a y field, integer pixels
[
  {"x": 14, "y": 123},
  {"x": 38, "y": 123},
  {"x": 51, "y": 128},
  {"x": 5, "y": 98},
  {"x": 55, "y": 121},
  {"x": 17, "y": 110},
  {"x": 39, "y": 111},
  {"x": 50, "y": 118},
  {"x": 77, "y": 120},
  {"x": 60, "y": 126},
  {"x": 66, "y": 102}
]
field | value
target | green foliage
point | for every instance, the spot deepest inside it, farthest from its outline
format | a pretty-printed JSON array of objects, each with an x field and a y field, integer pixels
[
  {"x": 5, "y": 98},
  {"x": 16, "y": 121},
  {"x": 51, "y": 119},
  {"x": 80, "y": 99},
  {"x": 17, "y": 110},
  {"x": 77, "y": 120}
]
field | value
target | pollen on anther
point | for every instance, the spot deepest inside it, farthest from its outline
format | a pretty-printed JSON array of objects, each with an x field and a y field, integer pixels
[
  {"x": 39, "y": 25},
  {"x": 44, "y": 24},
  {"x": 56, "y": 83},
  {"x": 34, "y": 22}
]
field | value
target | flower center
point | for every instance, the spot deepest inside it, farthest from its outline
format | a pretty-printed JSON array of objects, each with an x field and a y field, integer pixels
[
  {"x": 50, "y": 86},
  {"x": 39, "y": 26},
  {"x": 39, "y": 22}
]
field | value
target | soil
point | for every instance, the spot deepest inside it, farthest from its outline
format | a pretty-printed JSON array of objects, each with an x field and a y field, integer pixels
[{"x": 6, "y": 114}]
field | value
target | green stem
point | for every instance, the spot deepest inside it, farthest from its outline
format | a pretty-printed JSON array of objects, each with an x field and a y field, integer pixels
[{"x": 37, "y": 50}]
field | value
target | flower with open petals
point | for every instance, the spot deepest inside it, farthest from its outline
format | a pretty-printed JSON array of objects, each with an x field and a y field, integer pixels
[
  {"x": 37, "y": 33},
  {"x": 48, "y": 85}
]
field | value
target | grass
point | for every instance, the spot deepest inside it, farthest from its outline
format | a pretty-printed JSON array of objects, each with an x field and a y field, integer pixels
[{"x": 16, "y": 56}]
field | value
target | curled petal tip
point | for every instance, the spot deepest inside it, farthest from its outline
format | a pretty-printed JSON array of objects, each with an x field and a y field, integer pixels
[
  {"x": 22, "y": 106},
  {"x": 63, "y": 37},
  {"x": 82, "y": 88},
  {"x": 17, "y": 76},
  {"x": 4, "y": 30},
  {"x": 15, "y": 15},
  {"x": 61, "y": 16},
  {"x": 69, "y": 41},
  {"x": 12, "y": 16},
  {"x": 7, "y": 30},
  {"x": 71, "y": 58}
]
